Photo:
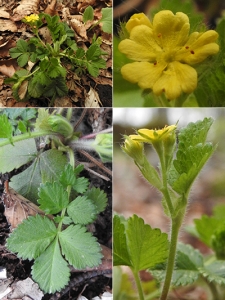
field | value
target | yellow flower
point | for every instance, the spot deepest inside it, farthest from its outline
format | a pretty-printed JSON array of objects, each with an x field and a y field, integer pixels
[
  {"x": 31, "y": 18},
  {"x": 151, "y": 135},
  {"x": 163, "y": 52}
]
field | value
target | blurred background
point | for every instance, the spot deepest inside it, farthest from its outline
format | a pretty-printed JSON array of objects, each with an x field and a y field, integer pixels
[{"x": 133, "y": 195}]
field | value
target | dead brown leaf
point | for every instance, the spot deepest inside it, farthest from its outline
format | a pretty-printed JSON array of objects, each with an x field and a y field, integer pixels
[
  {"x": 26, "y": 7},
  {"x": 4, "y": 48},
  {"x": 92, "y": 99},
  {"x": 79, "y": 28},
  {"x": 8, "y": 25},
  {"x": 8, "y": 67},
  {"x": 51, "y": 8},
  {"x": 18, "y": 208},
  {"x": 4, "y": 14}
]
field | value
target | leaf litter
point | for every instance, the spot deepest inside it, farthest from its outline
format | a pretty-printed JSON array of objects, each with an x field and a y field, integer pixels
[{"x": 71, "y": 12}]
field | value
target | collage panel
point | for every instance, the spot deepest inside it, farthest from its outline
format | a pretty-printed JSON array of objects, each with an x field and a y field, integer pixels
[
  {"x": 56, "y": 53},
  {"x": 168, "y": 203},
  {"x": 56, "y": 203},
  {"x": 169, "y": 53}
]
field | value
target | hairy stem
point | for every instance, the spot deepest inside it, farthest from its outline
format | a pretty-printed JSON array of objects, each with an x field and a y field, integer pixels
[
  {"x": 138, "y": 283},
  {"x": 176, "y": 223},
  {"x": 26, "y": 136}
]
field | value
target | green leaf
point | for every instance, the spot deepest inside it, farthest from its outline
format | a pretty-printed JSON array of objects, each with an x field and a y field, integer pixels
[
  {"x": 21, "y": 47},
  {"x": 206, "y": 227},
  {"x": 53, "y": 197},
  {"x": 215, "y": 272},
  {"x": 103, "y": 145},
  {"x": 35, "y": 89},
  {"x": 13, "y": 157},
  {"x": 55, "y": 70},
  {"x": 50, "y": 270},
  {"x": 32, "y": 237},
  {"x": 78, "y": 169},
  {"x": 45, "y": 168},
  {"x": 67, "y": 177},
  {"x": 188, "y": 263},
  {"x": 22, "y": 126},
  {"x": 147, "y": 247},
  {"x": 6, "y": 127},
  {"x": 82, "y": 210},
  {"x": 192, "y": 154},
  {"x": 106, "y": 19},
  {"x": 120, "y": 251},
  {"x": 23, "y": 59},
  {"x": 80, "y": 247},
  {"x": 81, "y": 185},
  {"x": 98, "y": 197},
  {"x": 57, "y": 87},
  {"x": 88, "y": 14}
]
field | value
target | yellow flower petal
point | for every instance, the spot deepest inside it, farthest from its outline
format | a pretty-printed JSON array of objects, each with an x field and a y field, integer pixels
[
  {"x": 151, "y": 135},
  {"x": 138, "y": 19},
  {"x": 171, "y": 30},
  {"x": 143, "y": 73},
  {"x": 176, "y": 79},
  {"x": 141, "y": 46}
]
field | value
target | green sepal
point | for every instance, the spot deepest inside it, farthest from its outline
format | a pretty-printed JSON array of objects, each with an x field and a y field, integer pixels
[{"x": 61, "y": 125}]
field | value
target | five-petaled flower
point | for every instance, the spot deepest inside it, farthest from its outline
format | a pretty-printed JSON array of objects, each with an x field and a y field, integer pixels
[
  {"x": 31, "y": 18},
  {"x": 152, "y": 135},
  {"x": 163, "y": 52}
]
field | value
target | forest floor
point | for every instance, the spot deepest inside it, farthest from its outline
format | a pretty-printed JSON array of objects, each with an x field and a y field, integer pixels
[{"x": 83, "y": 90}]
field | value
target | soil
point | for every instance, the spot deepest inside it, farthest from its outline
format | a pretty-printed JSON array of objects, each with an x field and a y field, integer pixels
[{"x": 92, "y": 283}]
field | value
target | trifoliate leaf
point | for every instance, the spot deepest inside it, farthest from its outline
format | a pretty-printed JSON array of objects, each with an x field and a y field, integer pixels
[
  {"x": 80, "y": 247},
  {"x": 88, "y": 14},
  {"x": 120, "y": 251},
  {"x": 147, "y": 246},
  {"x": 32, "y": 237},
  {"x": 106, "y": 19},
  {"x": 6, "y": 127},
  {"x": 81, "y": 185},
  {"x": 67, "y": 177},
  {"x": 50, "y": 270},
  {"x": 98, "y": 197},
  {"x": 13, "y": 157},
  {"x": 215, "y": 272},
  {"x": 45, "y": 168},
  {"x": 53, "y": 197},
  {"x": 82, "y": 210}
]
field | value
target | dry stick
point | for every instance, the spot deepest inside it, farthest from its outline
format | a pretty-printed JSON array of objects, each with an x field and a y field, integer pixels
[
  {"x": 80, "y": 119},
  {"x": 96, "y": 162}
]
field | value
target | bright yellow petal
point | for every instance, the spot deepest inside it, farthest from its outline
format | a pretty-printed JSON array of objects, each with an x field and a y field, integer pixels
[
  {"x": 138, "y": 19},
  {"x": 198, "y": 47},
  {"x": 141, "y": 46},
  {"x": 176, "y": 79},
  {"x": 143, "y": 73},
  {"x": 171, "y": 30}
]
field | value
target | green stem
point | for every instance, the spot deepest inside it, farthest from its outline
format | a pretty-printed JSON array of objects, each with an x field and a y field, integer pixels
[
  {"x": 25, "y": 136},
  {"x": 176, "y": 223},
  {"x": 213, "y": 289},
  {"x": 138, "y": 283}
]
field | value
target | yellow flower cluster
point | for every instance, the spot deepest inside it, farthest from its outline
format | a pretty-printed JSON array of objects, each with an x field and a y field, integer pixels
[
  {"x": 32, "y": 18},
  {"x": 163, "y": 52}
]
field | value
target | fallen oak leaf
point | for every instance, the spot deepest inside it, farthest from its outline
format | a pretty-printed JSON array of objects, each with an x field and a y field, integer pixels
[
  {"x": 8, "y": 25},
  {"x": 8, "y": 67},
  {"x": 51, "y": 8}
]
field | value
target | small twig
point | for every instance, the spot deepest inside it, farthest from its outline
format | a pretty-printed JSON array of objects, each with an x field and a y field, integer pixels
[
  {"x": 80, "y": 119},
  {"x": 96, "y": 162}
]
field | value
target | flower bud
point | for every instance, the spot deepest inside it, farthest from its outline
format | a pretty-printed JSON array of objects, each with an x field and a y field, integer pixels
[
  {"x": 61, "y": 125},
  {"x": 134, "y": 149}
]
